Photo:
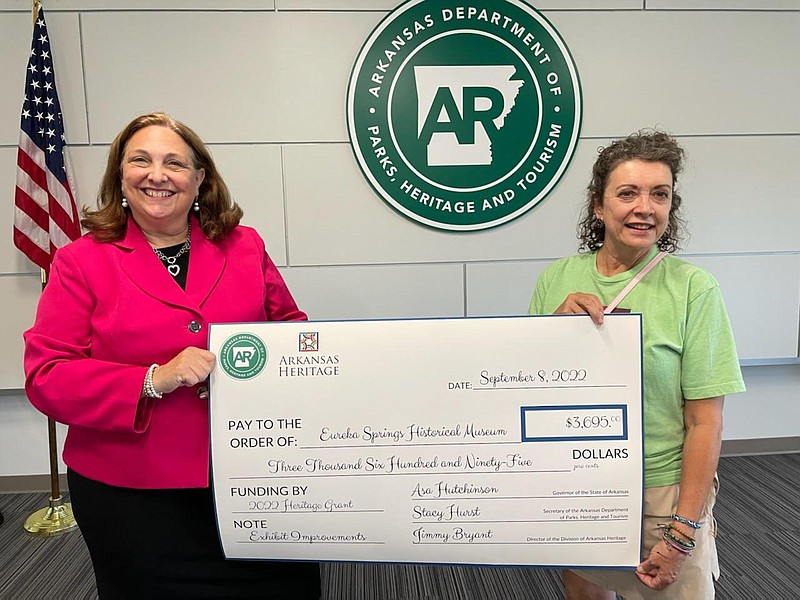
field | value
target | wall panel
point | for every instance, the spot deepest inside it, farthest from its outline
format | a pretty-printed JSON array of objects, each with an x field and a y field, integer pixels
[
  {"x": 285, "y": 80},
  {"x": 762, "y": 293},
  {"x": 723, "y": 4},
  {"x": 692, "y": 72},
  {"x": 19, "y": 295},
  {"x": 386, "y": 5},
  {"x": 769, "y": 408},
  {"x": 142, "y": 5},
  {"x": 254, "y": 175},
  {"x": 502, "y": 288},
  {"x": 742, "y": 194},
  {"x": 24, "y": 448},
  {"x": 383, "y": 292},
  {"x": 88, "y": 165}
]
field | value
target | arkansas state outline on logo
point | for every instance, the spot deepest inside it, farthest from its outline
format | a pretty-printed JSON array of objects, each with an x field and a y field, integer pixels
[
  {"x": 463, "y": 117},
  {"x": 243, "y": 356}
]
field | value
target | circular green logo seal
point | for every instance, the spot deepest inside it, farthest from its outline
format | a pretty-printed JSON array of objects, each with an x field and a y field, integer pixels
[
  {"x": 464, "y": 117},
  {"x": 243, "y": 356}
]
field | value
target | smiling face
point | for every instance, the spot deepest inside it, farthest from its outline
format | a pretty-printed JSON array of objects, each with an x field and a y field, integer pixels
[
  {"x": 635, "y": 206},
  {"x": 159, "y": 180}
]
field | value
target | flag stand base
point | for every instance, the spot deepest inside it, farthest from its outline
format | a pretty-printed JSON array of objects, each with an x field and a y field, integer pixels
[{"x": 54, "y": 520}]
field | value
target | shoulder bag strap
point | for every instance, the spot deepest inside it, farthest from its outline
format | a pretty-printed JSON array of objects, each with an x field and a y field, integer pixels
[{"x": 639, "y": 276}]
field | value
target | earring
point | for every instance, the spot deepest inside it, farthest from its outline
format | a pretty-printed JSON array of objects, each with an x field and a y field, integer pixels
[
  {"x": 196, "y": 205},
  {"x": 666, "y": 238},
  {"x": 124, "y": 202},
  {"x": 597, "y": 223}
]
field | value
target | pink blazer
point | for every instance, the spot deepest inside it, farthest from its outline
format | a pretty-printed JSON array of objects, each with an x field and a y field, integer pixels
[{"x": 109, "y": 311}]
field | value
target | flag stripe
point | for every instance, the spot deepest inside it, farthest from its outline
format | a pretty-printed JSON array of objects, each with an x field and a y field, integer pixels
[
  {"x": 31, "y": 250},
  {"x": 58, "y": 237},
  {"x": 32, "y": 180},
  {"x": 30, "y": 228},
  {"x": 34, "y": 186},
  {"x": 42, "y": 210},
  {"x": 25, "y": 205},
  {"x": 57, "y": 188}
]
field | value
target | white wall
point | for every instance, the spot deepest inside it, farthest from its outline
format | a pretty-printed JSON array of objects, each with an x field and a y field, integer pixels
[{"x": 264, "y": 83}]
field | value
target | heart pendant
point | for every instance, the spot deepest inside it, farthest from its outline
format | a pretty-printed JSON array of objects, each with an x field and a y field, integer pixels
[{"x": 174, "y": 270}]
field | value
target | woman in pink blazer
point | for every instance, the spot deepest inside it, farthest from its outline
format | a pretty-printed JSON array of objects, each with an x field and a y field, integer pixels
[{"x": 118, "y": 352}]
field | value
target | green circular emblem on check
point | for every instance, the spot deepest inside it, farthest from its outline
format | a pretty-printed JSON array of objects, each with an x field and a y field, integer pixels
[
  {"x": 243, "y": 356},
  {"x": 464, "y": 117}
]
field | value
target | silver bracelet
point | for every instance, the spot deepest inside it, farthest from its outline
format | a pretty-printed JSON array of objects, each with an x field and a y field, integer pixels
[{"x": 149, "y": 387}]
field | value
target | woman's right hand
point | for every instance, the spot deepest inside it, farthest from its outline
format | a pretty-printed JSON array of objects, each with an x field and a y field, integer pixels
[
  {"x": 190, "y": 367},
  {"x": 579, "y": 303}
]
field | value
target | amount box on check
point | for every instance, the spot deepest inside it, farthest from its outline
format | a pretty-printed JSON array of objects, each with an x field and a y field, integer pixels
[{"x": 582, "y": 422}]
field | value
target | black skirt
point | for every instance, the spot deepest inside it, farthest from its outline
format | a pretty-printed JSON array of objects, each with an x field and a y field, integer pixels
[{"x": 164, "y": 544}]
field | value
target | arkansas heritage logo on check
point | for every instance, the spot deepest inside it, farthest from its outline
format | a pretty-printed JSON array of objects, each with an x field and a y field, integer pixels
[
  {"x": 243, "y": 356},
  {"x": 309, "y": 341},
  {"x": 464, "y": 117}
]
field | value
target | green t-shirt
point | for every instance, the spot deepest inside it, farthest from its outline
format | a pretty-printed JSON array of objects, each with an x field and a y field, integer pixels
[{"x": 688, "y": 346}]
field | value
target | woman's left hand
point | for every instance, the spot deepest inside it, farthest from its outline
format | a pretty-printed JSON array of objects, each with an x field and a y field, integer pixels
[
  {"x": 189, "y": 367},
  {"x": 661, "y": 568}
]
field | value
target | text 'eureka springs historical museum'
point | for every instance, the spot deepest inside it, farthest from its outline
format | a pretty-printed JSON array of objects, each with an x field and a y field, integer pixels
[{"x": 464, "y": 117}]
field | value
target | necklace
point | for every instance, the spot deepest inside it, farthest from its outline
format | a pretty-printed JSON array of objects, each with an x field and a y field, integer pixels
[{"x": 170, "y": 261}]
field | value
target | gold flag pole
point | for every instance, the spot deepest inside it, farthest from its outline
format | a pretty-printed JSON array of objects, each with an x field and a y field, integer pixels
[{"x": 57, "y": 518}]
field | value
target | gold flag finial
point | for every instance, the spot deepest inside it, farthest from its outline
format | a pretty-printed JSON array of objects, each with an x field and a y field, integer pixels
[{"x": 36, "y": 5}]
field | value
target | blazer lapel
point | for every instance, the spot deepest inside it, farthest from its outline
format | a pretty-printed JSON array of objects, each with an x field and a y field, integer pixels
[
  {"x": 206, "y": 265},
  {"x": 143, "y": 268}
]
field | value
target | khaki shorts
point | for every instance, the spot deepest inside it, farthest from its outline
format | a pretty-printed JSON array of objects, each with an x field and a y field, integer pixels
[{"x": 696, "y": 577}]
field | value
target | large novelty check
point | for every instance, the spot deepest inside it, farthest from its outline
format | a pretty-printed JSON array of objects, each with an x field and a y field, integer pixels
[{"x": 503, "y": 441}]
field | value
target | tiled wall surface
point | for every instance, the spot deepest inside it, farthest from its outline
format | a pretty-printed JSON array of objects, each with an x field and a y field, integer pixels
[{"x": 264, "y": 84}]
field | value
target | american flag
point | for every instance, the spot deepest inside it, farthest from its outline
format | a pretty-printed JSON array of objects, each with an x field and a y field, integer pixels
[{"x": 45, "y": 214}]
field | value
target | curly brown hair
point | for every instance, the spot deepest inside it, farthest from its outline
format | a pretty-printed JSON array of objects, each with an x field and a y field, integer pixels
[
  {"x": 219, "y": 214},
  {"x": 648, "y": 145}
]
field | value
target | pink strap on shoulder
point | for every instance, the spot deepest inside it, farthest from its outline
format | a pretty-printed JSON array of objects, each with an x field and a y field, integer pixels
[{"x": 639, "y": 276}]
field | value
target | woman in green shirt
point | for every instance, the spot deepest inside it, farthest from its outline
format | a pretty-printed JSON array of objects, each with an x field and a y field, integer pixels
[{"x": 690, "y": 362}]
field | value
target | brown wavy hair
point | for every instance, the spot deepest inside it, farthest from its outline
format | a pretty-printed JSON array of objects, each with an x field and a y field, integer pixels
[
  {"x": 219, "y": 214},
  {"x": 648, "y": 145}
]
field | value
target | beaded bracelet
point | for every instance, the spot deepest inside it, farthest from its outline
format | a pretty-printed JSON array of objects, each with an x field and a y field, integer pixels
[
  {"x": 149, "y": 387},
  {"x": 672, "y": 527},
  {"x": 685, "y": 521},
  {"x": 685, "y": 546}
]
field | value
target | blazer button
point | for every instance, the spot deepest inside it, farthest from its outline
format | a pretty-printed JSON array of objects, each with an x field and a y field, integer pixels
[{"x": 194, "y": 326}]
